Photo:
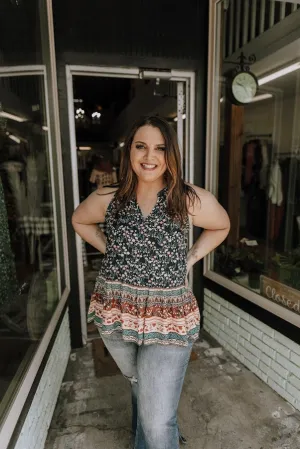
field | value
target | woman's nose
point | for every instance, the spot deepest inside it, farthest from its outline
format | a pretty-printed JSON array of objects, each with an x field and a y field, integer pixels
[{"x": 150, "y": 152}]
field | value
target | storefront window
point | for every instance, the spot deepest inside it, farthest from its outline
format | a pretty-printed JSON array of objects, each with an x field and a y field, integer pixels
[
  {"x": 256, "y": 154},
  {"x": 28, "y": 264},
  {"x": 20, "y": 41}
]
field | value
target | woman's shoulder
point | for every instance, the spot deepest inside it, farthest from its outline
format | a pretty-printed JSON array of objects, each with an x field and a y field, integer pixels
[
  {"x": 93, "y": 208},
  {"x": 107, "y": 191},
  {"x": 198, "y": 190},
  {"x": 195, "y": 196},
  {"x": 101, "y": 198},
  {"x": 105, "y": 195}
]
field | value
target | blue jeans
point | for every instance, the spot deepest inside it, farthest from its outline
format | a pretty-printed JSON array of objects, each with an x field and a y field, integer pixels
[{"x": 156, "y": 374}]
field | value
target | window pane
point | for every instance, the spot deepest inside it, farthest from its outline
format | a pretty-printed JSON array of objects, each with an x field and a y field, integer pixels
[
  {"x": 258, "y": 159},
  {"x": 28, "y": 268},
  {"x": 20, "y": 41}
]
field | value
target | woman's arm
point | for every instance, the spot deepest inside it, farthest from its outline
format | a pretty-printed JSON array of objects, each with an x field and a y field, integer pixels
[
  {"x": 90, "y": 212},
  {"x": 212, "y": 217}
]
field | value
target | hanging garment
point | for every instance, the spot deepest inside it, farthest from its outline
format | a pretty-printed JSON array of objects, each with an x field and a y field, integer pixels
[
  {"x": 275, "y": 185},
  {"x": 264, "y": 167},
  {"x": 256, "y": 218},
  {"x": 8, "y": 278},
  {"x": 249, "y": 162}
]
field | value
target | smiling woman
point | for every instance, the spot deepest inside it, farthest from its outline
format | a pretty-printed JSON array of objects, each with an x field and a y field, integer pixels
[
  {"x": 147, "y": 315},
  {"x": 148, "y": 162},
  {"x": 147, "y": 154}
]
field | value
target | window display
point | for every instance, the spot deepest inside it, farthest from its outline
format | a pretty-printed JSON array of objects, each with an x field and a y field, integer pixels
[
  {"x": 257, "y": 165},
  {"x": 28, "y": 265}
]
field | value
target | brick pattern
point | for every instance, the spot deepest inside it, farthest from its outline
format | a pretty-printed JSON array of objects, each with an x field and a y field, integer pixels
[
  {"x": 34, "y": 431},
  {"x": 271, "y": 356}
]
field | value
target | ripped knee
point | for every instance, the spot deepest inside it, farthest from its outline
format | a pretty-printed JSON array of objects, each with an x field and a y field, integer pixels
[{"x": 132, "y": 379}]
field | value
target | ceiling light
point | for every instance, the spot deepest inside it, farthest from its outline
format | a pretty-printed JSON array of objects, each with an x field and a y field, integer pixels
[
  {"x": 183, "y": 118},
  {"x": 12, "y": 117},
  {"x": 257, "y": 98},
  {"x": 14, "y": 138},
  {"x": 84, "y": 148},
  {"x": 121, "y": 144},
  {"x": 96, "y": 114},
  {"x": 279, "y": 73},
  {"x": 291, "y": 1}
]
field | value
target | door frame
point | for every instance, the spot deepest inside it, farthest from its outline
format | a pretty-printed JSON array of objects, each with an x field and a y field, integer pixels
[{"x": 188, "y": 77}]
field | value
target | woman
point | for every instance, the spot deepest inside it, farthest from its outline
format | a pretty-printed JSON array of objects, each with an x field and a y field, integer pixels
[{"x": 147, "y": 315}]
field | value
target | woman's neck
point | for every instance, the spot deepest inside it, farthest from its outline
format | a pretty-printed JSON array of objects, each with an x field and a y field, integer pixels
[{"x": 149, "y": 189}]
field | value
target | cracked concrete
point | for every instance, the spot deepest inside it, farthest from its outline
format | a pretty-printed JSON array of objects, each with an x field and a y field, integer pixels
[{"x": 223, "y": 406}]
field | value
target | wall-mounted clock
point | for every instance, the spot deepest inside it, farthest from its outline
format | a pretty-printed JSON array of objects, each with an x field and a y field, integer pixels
[
  {"x": 242, "y": 84},
  {"x": 244, "y": 87}
]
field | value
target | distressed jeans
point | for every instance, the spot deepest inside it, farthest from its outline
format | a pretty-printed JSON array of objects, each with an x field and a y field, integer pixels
[{"x": 156, "y": 373}]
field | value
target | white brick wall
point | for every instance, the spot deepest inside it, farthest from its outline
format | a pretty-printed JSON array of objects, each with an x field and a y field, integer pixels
[
  {"x": 34, "y": 431},
  {"x": 273, "y": 357}
]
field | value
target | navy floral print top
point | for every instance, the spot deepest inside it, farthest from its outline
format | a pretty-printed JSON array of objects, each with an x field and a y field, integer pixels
[
  {"x": 141, "y": 288},
  {"x": 147, "y": 252}
]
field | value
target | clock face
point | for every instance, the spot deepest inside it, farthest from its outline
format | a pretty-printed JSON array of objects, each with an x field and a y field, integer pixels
[{"x": 244, "y": 87}]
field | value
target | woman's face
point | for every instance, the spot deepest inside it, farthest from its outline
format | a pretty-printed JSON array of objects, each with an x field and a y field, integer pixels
[{"x": 147, "y": 154}]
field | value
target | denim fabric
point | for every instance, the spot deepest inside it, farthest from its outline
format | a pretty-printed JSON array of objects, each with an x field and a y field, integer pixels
[{"x": 156, "y": 374}]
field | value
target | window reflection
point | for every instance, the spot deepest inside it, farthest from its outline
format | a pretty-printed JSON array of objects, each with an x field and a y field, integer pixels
[
  {"x": 28, "y": 269},
  {"x": 259, "y": 172}
]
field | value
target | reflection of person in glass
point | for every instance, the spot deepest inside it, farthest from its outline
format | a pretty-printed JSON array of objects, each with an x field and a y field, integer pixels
[
  {"x": 147, "y": 315},
  {"x": 103, "y": 173}
]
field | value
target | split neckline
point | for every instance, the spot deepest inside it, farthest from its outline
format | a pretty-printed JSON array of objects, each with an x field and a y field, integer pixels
[{"x": 159, "y": 195}]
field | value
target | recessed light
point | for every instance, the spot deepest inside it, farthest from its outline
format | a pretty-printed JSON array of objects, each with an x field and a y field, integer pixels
[
  {"x": 14, "y": 138},
  {"x": 279, "y": 73},
  {"x": 261, "y": 97},
  {"x": 14, "y": 117}
]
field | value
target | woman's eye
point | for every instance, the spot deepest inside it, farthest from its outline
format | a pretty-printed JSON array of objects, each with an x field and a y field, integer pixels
[
  {"x": 161, "y": 148},
  {"x": 139, "y": 146}
]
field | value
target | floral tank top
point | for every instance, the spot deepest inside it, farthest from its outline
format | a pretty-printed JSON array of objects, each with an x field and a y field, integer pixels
[{"x": 140, "y": 290}]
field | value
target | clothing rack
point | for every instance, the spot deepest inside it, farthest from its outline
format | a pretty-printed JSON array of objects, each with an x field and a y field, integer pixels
[
  {"x": 285, "y": 155},
  {"x": 259, "y": 136}
]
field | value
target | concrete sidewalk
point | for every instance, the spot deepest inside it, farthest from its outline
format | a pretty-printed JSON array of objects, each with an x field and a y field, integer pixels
[{"x": 223, "y": 406}]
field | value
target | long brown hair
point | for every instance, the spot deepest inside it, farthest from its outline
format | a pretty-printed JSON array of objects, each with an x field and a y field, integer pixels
[{"x": 177, "y": 188}]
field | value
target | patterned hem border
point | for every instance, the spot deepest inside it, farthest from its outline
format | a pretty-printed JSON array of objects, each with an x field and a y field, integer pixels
[{"x": 146, "y": 339}]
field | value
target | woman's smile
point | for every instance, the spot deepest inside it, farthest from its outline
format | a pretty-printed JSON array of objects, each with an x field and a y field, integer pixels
[{"x": 148, "y": 166}]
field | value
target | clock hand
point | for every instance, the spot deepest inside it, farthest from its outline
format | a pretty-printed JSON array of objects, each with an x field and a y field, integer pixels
[{"x": 244, "y": 87}]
